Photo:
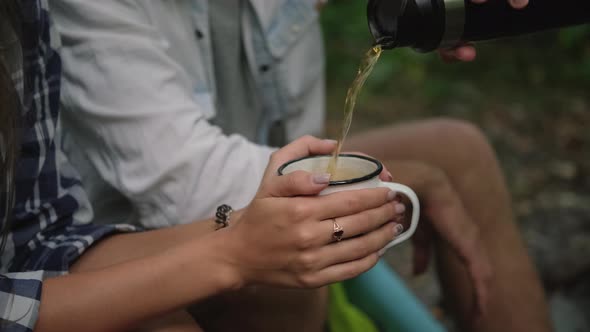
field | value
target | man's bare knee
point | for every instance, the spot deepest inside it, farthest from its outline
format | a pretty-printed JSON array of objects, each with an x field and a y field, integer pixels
[
  {"x": 451, "y": 144},
  {"x": 465, "y": 139}
]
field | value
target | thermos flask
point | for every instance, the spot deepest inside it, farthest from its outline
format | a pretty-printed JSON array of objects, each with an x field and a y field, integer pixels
[{"x": 426, "y": 25}]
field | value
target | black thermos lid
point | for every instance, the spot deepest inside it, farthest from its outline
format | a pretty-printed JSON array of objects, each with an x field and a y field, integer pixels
[{"x": 407, "y": 23}]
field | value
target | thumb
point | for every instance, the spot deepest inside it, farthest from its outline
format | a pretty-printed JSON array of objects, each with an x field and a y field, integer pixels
[
  {"x": 301, "y": 147},
  {"x": 299, "y": 183}
]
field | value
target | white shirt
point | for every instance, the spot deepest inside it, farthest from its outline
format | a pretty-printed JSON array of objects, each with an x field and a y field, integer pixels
[{"x": 139, "y": 91}]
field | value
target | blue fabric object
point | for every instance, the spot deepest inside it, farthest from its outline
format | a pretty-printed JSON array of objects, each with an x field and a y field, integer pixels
[{"x": 386, "y": 299}]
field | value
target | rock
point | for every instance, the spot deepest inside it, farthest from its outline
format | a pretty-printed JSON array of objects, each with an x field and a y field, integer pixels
[
  {"x": 523, "y": 208},
  {"x": 564, "y": 169},
  {"x": 559, "y": 242},
  {"x": 570, "y": 308},
  {"x": 566, "y": 316}
]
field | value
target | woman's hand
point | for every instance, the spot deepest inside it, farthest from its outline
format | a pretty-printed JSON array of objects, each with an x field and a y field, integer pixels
[
  {"x": 285, "y": 236},
  {"x": 467, "y": 52}
]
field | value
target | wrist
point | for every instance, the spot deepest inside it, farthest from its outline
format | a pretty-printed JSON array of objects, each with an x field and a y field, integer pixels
[{"x": 219, "y": 245}]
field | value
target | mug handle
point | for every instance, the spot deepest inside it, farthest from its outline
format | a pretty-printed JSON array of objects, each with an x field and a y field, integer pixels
[{"x": 400, "y": 188}]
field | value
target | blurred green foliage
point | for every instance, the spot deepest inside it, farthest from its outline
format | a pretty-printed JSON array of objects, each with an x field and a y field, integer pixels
[{"x": 538, "y": 71}]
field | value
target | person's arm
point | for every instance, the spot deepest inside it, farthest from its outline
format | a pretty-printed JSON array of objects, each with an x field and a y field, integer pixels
[
  {"x": 123, "y": 295},
  {"x": 282, "y": 239},
  {"x": 137, "y": 119}
]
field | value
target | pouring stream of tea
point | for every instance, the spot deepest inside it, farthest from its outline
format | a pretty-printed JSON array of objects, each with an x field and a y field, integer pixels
[{"x": 365, "y": 69}]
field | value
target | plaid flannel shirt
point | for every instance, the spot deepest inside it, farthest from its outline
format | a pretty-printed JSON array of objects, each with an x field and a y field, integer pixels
[{"x": 51, "y": 216}]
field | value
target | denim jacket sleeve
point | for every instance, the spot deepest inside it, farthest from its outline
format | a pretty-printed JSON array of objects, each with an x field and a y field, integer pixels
[{"x": 293, "y": 46}]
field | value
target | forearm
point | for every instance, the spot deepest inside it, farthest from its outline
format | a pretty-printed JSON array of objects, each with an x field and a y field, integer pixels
[
  {"x": 120, "y": 296},
  {"x": 125, "y": 247}
]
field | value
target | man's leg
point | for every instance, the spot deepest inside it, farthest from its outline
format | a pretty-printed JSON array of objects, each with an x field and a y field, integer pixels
[
  {"x": 264, "y": 309},
  {"x": 179, "y": 321},
  {"x": 452, "y": 166},
  {"x": 252, "y": 309}
]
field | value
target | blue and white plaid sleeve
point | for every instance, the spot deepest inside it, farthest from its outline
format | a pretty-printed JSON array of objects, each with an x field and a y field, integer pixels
[
  {"x": 53, "y": 252},
  {"x": 51, "y": 219},
  {"x": 20, "y": 295}
]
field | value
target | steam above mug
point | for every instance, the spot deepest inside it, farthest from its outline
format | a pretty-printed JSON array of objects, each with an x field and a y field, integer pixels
[{"x": 426, "y": 25}]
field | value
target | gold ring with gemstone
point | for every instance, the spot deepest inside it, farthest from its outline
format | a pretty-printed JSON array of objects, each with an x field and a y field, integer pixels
[{"x": 338, "y": 232}]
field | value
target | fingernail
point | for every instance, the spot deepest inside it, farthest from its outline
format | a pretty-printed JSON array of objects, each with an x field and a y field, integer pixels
[
  {"x": 398, "y": 229},
  {"x": 331, "y": 141},
  {"x": 321, "y": 178},
  {"x": 381, "y": 252},
  {"x": 400, "y": 208},
  {"x": 391, "y": 195},
  {"x": 519, "y": 3},
  {"x": 389, "y": 177}
]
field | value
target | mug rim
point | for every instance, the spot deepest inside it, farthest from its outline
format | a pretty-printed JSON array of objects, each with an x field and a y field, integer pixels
[{"x": 369, "y": 176}]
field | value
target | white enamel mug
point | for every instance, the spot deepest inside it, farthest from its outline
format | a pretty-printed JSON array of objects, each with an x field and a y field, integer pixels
[{"x": 368, "y": 170}]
